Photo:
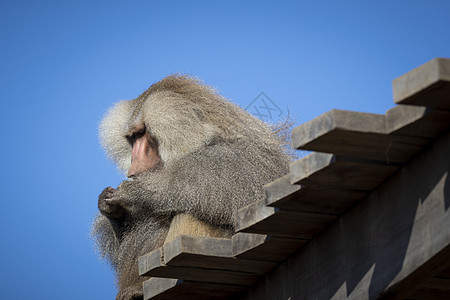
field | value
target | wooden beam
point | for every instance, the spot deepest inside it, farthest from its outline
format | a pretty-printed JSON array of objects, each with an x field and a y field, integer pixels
[
  {"x": 358, "y": 135},
  {"x": 157, "y": 268},
  {"x": 380, "y": 245},
  {"x": 264, "y": 247},
  {"x": 260, "y": 219},
  {"x": 175, "y": 289},
  {"x": 330, "y": 184},
  {"x": 339, "y": 171},
  {"x": 410, "y": 120},
  {"x": 281, "y": 193},
  {"x": 427, "y": 85},
  {"x": 210, "y": 253}
]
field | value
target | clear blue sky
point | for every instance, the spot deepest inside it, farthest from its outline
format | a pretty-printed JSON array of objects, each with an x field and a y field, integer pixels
[{"x": 62, "y": 63}]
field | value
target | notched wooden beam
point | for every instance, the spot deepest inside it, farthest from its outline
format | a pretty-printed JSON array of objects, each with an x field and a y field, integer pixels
[
  {"x": 264, "y": 247},
  {"x": 339, "y": 171},
  {"x": 427, "y": 85},
  {"x": 310, "y": 198},
  {"x": 410, "y": 120},
  {"x": 175, "y": 289},
  {"x": 210, "y": 253},
  {"x": 358, "y": 135},
  {"x": 202, "y": 259},
  {"x": 260, "y": 219}
]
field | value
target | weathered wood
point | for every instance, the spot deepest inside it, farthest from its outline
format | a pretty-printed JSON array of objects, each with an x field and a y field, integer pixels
[
  {"x": 427, "y": 85},
  {"x": 252, "y": 214},
  {"x": 282, "y": 194},
  {"x": 201, "y": 259},
  {"x": 160, "y": 269},
  {"x": 213, "y": 251},
  {"x": 385, "y": 240},
  {"x": 210, "y": 253},
  {"x": 175, "y": 289},
  {"x": 330, "y": 184},
  {"x": 281, "y": 188},
  {"x": 358, "y": 135},
  {"x": 264, "y": 247},
  {"x": 257, "y": 218},
  {"x": 417, "y": 121},
  {"x": 320, "y": 199},
  {"x": 150, "y": 261},
  {"x": 339, "y": 171},
  {"x": 422, "y": 277}
]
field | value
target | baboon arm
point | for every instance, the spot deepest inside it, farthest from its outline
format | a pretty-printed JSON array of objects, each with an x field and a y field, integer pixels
[{"x": 203, "y": 184}]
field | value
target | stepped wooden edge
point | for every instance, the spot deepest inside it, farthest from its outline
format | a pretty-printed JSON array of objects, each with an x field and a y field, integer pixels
[
  {"x": 395, "y": 244},
  {"x": 428, "y": 85},
  {"x": 201, "y": 259},
  {"x": 260, "y": 219},
  {"x": 175, "y": 289},
  {"x": 264, "y": 247},
  {"x": 330, "y": 185},
  {"x": 357, "y": 135}
]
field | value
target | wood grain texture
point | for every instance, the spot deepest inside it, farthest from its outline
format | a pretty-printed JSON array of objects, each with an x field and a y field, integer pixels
[
  {"x": 264, "y": 247},
  {"x": 397, "y": 235},
  {"x": 175, "y": 289},
  {"x": 340, "y": 172},
  {"x": 410, "y": 120},
  {"x": 427, "y": 85},
  {"x": 358, "y": 135},
  {"x": 210, "y": 253},
  {"x": 260, "y": 219}
]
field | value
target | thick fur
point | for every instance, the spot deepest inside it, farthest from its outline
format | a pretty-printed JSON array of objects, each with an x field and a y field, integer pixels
[{"x": 215, "y": 157}]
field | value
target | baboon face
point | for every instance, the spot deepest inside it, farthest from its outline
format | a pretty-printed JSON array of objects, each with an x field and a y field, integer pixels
[{"x": 144, "y": 153}]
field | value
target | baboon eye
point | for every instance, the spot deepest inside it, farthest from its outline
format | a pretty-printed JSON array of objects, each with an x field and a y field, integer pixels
[{"x": 136, "y": 135}]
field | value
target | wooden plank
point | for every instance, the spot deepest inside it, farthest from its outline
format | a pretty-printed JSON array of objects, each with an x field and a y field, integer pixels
[
  {"x": 427, "y": 85},
  {"x": 150, "y": 261},
  {"x": 338, "y": 171},
  {"x": 320, "y": 199},
  {"x": 386, "y": 240},
  {"x": 281, "y": 188},
  {"x": 358, "y": 135},
  {"x": 212, "y": 250},
  {"x": 330, "y": 184},
  {"x": 175, "y": 289},
  {"x": 281, "y": 193},
  {"x": 210, "y": 253},
  {"x": 417, "y": 121},
  {"x": 421, "y": 278},
  {"x": 260, "y": 219},
  {"x": 310, "y": 198},
  {"x": 264, "y": 247},
  {"x": 252, "y": 214},
  {"x": 149, "y": 265}
]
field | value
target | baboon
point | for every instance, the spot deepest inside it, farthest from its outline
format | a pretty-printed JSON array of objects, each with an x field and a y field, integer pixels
[{"x": 192, "y": 158}]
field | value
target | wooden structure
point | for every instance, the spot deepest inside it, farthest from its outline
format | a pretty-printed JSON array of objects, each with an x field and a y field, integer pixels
[{"x": 365, "y": 217}]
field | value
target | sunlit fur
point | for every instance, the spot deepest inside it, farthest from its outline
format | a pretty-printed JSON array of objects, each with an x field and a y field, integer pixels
[{"x": 216, "y": 157}]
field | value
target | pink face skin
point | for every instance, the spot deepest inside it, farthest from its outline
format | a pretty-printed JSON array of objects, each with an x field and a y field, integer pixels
[{"x": 144, "y": 155}]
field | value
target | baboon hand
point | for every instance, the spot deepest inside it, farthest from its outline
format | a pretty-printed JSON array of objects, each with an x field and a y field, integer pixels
[{"x": 109, "y": 206}]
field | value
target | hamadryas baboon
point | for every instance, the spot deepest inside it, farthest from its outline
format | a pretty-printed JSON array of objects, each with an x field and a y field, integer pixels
[{"x": 192, "y": 158}]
